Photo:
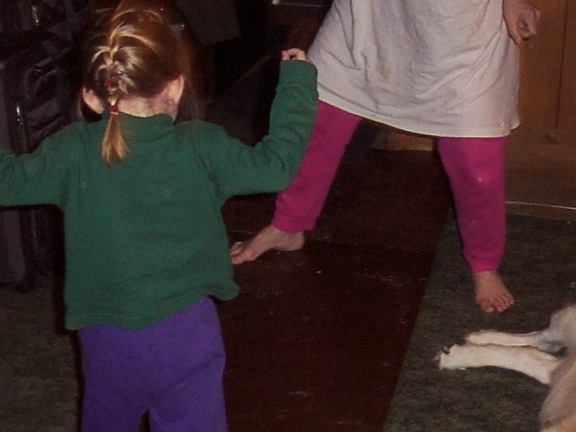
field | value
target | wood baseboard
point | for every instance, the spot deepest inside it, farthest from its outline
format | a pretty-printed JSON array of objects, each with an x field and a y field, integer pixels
[{"x": 407, "y": 141}]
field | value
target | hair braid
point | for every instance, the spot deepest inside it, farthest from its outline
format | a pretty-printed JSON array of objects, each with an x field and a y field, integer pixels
[{"x": 135, "y": 54}]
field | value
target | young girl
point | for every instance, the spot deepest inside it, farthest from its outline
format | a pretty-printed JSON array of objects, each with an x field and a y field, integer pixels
[
  {"x": 446, "y": 68},
  {"x": 146, "y": 247}
]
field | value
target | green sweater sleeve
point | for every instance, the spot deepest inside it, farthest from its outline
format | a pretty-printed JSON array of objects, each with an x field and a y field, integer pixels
[
  {"x": 271, "y": 164},
  {"x": 40, "y": 177}
]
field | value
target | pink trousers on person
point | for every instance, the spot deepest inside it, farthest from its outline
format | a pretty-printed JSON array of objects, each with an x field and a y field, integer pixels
[
  {"x": 475, "y": 167},
  {"x": 299, "y": 206}
]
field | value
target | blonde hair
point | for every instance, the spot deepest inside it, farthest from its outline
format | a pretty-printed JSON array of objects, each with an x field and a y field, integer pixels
[{"x": 135, "y": 52}]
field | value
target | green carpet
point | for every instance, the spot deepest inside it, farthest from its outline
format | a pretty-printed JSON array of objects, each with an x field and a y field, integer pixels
[
  {"x": 38, "y": 374},
  {"x": 540, "y": 269}
]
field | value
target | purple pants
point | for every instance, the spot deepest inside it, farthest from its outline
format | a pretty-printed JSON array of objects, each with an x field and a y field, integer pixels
[
  {"x": 475, "y": 167},
  {"x": 173, "y": 370}
]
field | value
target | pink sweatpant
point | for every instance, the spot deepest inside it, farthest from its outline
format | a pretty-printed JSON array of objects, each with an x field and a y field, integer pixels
[
  {"x": 475, "y": 167},
  {"x": 298, "y": 207}
]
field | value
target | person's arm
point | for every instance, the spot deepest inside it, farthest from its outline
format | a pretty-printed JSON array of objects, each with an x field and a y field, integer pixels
[
  {"x": 521, "y": 17},
  {"x": 34, "y": 178},
  {"x": 271, "y": 164}
]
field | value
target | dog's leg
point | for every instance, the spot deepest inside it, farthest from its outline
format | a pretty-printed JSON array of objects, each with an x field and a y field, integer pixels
[
  {"x": 539, "y": 339},
  {"x": 527, "y": 360}
]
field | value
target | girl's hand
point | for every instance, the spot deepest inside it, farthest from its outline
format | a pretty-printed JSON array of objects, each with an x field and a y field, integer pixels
[
  {"x": 294, "y": 54},
  {"x": 521, "y": 17}
]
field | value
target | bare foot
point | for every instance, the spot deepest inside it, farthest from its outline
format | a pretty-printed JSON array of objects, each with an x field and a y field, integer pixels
[
  {"x": 269, "y": 238},
  {"x": 491, "y": 293}
]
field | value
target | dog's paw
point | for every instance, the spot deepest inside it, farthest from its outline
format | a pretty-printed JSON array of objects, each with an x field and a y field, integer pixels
[
  {"x": 439, "y": 354},
  {"x": 452, "y": 358}
]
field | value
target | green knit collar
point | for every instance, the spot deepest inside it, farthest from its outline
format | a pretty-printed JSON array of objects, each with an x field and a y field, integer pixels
[{"x": 144, "y": 129}]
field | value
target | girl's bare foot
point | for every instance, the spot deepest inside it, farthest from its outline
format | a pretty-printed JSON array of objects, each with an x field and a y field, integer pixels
[
  {"x": 491, "y": 293},
  {"x": 267, "y": 239}
]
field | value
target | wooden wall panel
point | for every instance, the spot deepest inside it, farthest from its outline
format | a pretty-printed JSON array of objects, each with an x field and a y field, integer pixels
[
  {"x": 541, "y": 67},
  {"x": 567, "y": 106}
]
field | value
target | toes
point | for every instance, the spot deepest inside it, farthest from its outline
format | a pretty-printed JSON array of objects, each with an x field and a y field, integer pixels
[
  {"x": 239, "y": 254},
  {"x": 236, "y": 248},
  {"x": 503, "y": 302},
  {"x": 486, "y": 305},
  {"x": 496, "y": 304}
]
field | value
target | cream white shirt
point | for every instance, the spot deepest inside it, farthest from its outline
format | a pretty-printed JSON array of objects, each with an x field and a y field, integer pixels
[{"x": 434, "y": 67}]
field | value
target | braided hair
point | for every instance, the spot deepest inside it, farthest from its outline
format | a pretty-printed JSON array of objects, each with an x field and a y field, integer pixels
[{"x": 135, "y": 52}]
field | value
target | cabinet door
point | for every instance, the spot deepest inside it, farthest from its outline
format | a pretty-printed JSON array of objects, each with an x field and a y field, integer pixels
[
  {"x": 548, "y": 69},
  {"x": 567, "y": 105}
]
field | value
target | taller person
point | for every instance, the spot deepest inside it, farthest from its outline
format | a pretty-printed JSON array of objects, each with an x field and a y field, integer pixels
[{"x": 444, "y": 68}]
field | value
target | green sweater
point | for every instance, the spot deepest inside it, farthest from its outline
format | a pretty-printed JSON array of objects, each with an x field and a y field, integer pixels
[{"x": 145, "y": 237}]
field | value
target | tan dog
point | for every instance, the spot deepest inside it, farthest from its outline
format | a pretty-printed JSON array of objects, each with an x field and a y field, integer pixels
[{"x": 548, "y": 355}]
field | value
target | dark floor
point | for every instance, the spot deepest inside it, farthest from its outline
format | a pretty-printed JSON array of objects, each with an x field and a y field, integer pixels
[{"x": 316, "y": 339}]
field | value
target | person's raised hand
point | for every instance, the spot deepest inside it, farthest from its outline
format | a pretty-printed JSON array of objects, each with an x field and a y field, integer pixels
[
  {"x": 294, "y": 54},
  {"x": 521, "y": 17}
]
